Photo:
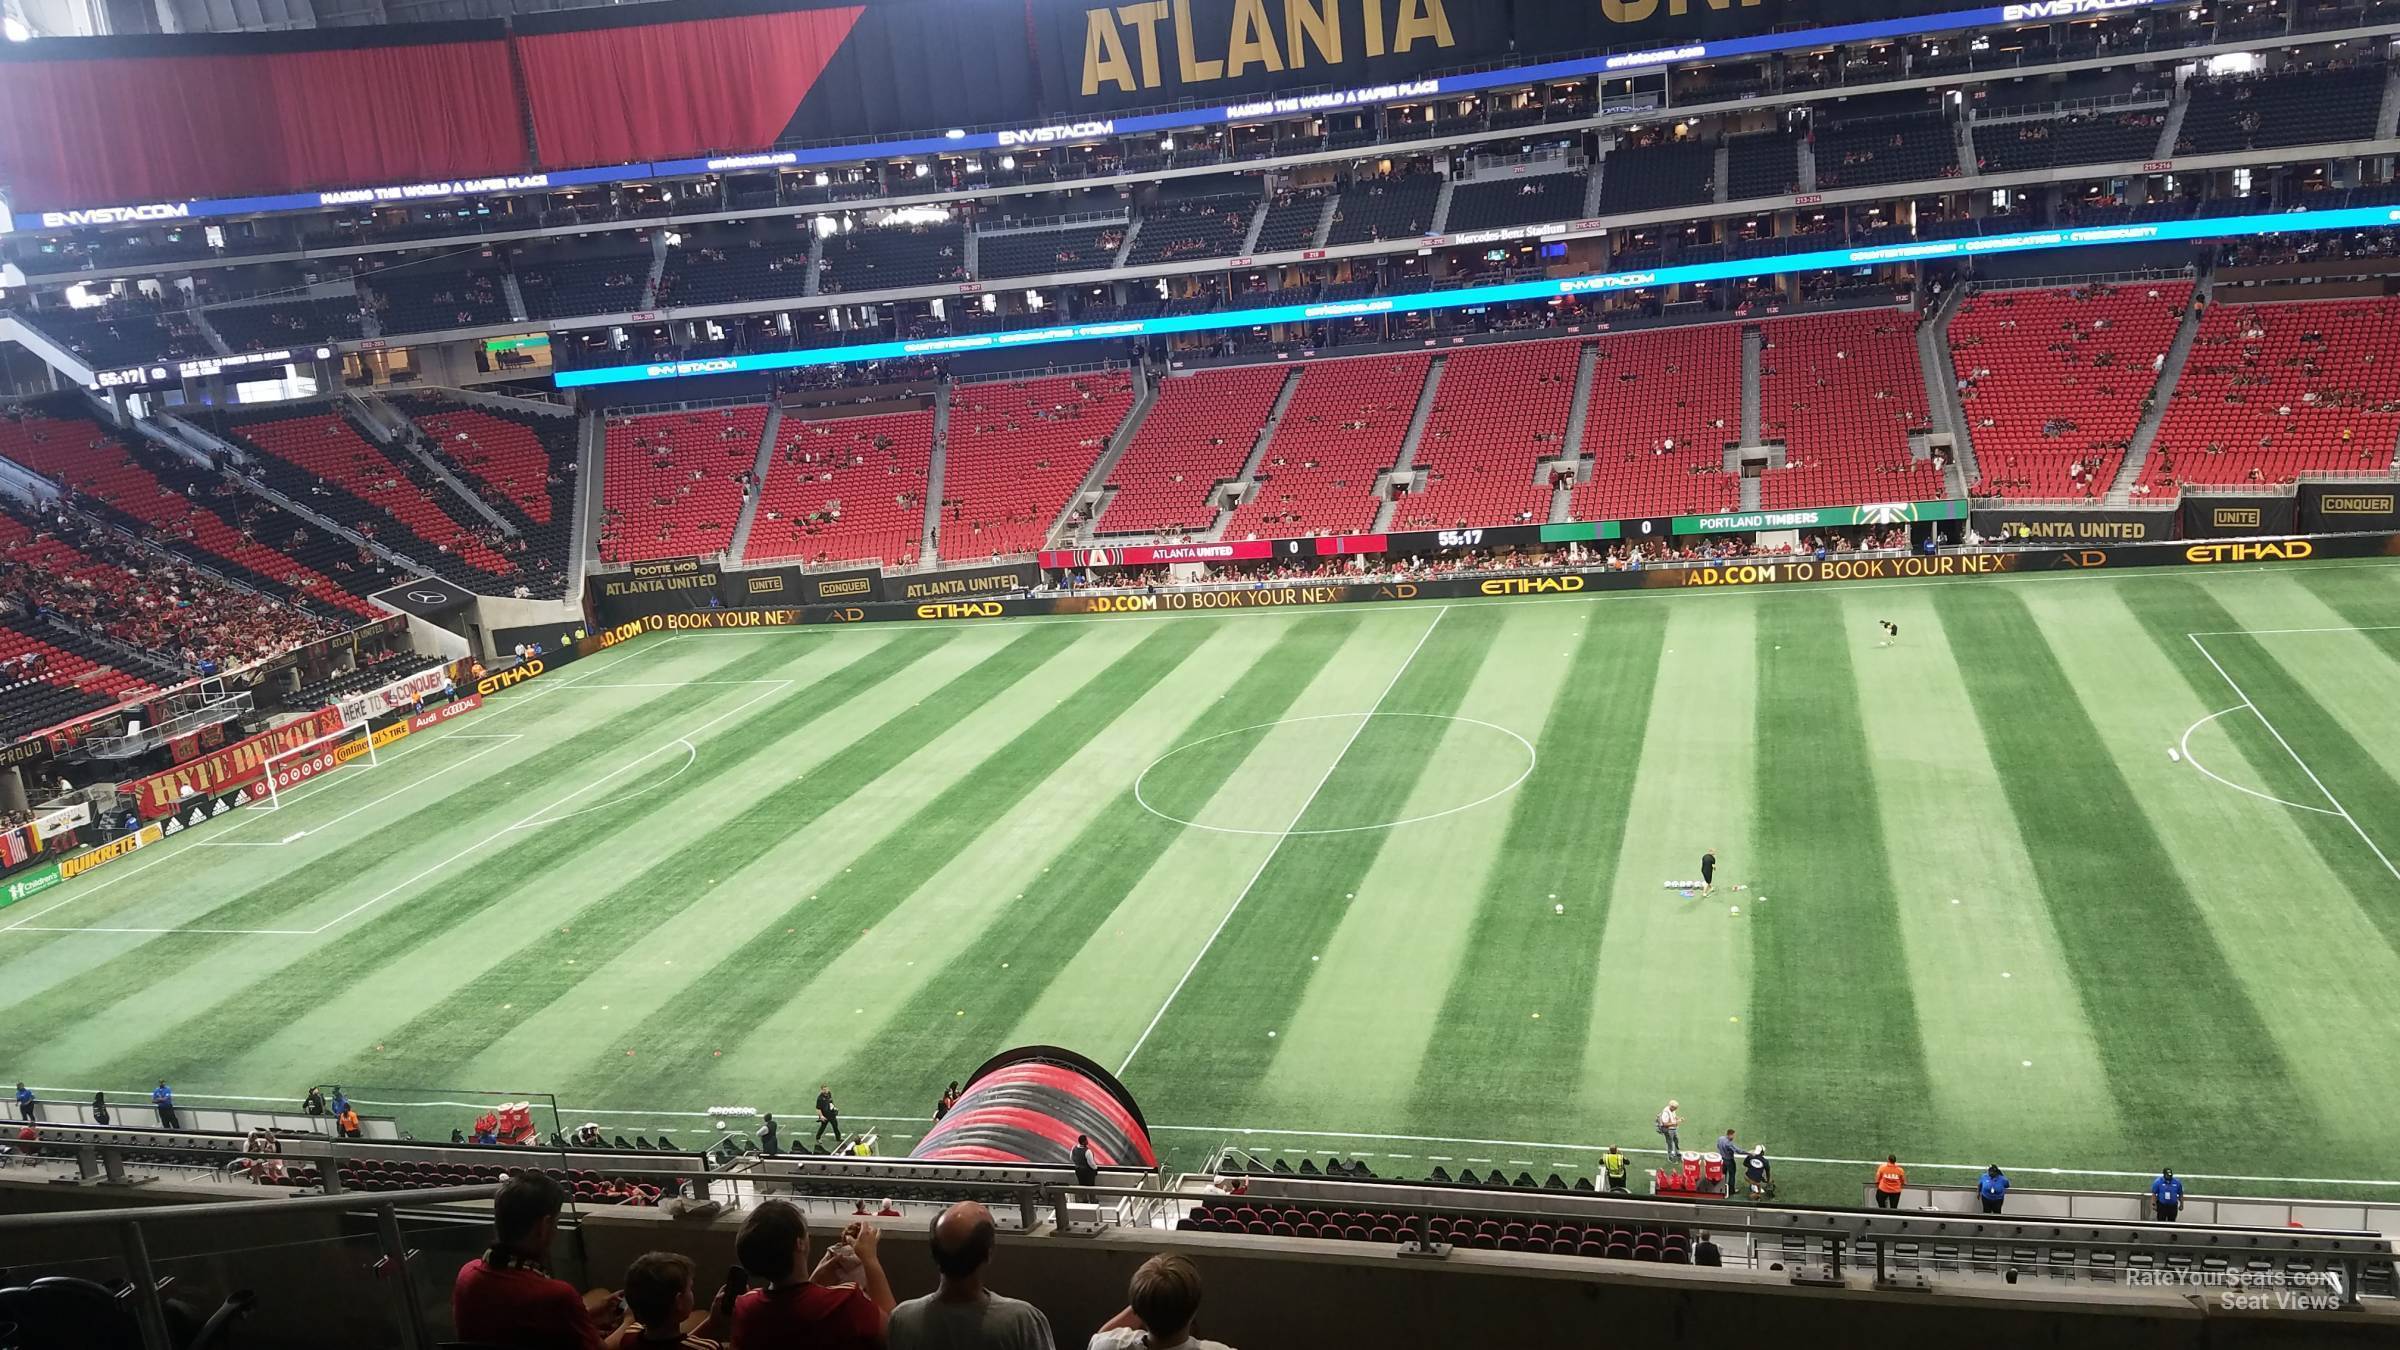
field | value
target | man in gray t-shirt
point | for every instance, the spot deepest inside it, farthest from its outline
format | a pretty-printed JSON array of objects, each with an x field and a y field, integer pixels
[{"x": 962, "y": 1314}]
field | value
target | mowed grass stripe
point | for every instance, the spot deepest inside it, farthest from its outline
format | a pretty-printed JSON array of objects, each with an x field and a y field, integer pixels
[
  {"x": 1351, "y": 1050},
  {"x": 158, "y": 969},
  {"x": 2346, "y": 765},
  {"x": 945, "y": 917},
  {"x": 1992, "y": 987},
  {"x": 456, "y": 1027},
  {"x": 1566, "y": 827},
  {"x": 717, "y": 1009},
  {"x": 946, "y": 710},
  {"x": 1209, "y": 1054},
  {"x": 502, "y": 883},
  {"x": 1834, "y": 1048},
  {"x": 945, "y": 1028},
  {"x": 2188, "y": 1056},
  {"x": 1670, "y": 990}
]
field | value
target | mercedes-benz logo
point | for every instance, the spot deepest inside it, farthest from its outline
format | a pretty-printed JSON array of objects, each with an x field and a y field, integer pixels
[{"x": 429, "y": 597}]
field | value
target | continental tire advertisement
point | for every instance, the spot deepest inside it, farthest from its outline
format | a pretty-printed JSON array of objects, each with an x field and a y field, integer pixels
[
  {"x": 1771, "y": 571},
  {"x": 2014, "y": 526}
]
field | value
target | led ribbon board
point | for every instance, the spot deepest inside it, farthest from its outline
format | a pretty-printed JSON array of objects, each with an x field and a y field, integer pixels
[
  {"x": 2209, "y": 227},
  {"x": 1097, "y": 128}
]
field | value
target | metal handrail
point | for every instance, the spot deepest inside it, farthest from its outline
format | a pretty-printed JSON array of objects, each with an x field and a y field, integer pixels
[{"x": 346, "y": 1202}]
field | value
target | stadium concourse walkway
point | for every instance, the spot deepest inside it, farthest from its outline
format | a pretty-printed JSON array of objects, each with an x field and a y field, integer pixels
[{"x": 1398, "y": 870}]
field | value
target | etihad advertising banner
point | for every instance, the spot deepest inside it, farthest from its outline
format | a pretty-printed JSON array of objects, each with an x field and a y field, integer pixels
[
  {"x": 239, "y": 763},
  {"x": 1964, "y": 564}
]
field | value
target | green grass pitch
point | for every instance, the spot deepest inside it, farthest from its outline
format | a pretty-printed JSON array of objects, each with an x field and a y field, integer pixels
[{"x": 1299, "y": 871}]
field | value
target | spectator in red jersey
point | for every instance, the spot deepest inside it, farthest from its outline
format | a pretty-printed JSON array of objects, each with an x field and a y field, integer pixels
[
  {"x": 505, "y": 1297},
  {"x": 793, "y": 1310}
]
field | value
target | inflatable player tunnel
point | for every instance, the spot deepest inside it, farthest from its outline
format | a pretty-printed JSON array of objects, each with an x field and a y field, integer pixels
[{"x": 1027, "y": 1105}]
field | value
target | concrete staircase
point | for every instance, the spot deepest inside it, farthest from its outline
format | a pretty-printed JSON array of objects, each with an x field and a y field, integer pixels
[
  {"x": 1966, "y": 145},
  {"x": 974, "y": 258},
  {"x": 816, "y": 264},
  {"x": 1808, "y": 165},
  {"x": 768, "y": 435},
  {"x": 1721, "y": 172},
  {"x": 1324, "y": 230},
  {"x": 937, "y": 465},
  {"x": 1754, "y": 351},
  {"x": 1752, "y": 498},
  {"x": 197, "y": 442},
  {"x": 1125, "y": 250},
  {"x": 583, "y": 543},
  {"x": 1941, "y": 390},
  {"x": 1247, "y": 475},
  {"x": 1591, "y": 187},
  {"x": 1094, "y": 489},
  {"x": 658, "y": 269},
  {"x": 2145, "y": 434},
  {"x": 1258, "y": 220},
  {"x": 2387, "y": 123},
  {"x": 1408, "y": 443},
  {"x": 2173, "y": 126},
  {"x": 386, "y": 424},
  {"x": 1579, "y": 410},
  {"x": 1441, "y": 206},
  {"x": 514, "y": 295},
  {"x": 209, "y": 330}
]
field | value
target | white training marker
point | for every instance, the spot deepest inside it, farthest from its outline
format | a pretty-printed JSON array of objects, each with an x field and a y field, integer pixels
[
  {"x": 1737, "y": 909},
  {"x": 1315, "y": 958},
  {"x": 2006, "y": 976},
  {"x": 2029, "y": 1064},
  {"x": 1558, "y": 909},
  {"x": 1954, "y": 902},
  {"x": 2174, "y": 754},
  {"x": 1270, "y": 1035}
]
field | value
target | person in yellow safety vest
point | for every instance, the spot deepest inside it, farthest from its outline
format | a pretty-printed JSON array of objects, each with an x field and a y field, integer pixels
[
  {"x": 1612, "y": 1169},
  {"x": 1889, "y": 1178}
]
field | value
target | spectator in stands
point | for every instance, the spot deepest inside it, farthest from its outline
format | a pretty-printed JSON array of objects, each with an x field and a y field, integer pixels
[
  {"x": 99, "y": 1108},
  {"x": 314, "y": 1105},
  {"x": 658, "y": 1300},
  {"x": 949, "y": 1099},
  {"x": 769, "y": 1140},
  {"x": 163, "y": 1098},
  {"x": 1889, "y": 1178},
  {"x": 2166, "y": 1196},
  {"x": 1704, "y": 1250},
  {"x": 962, "y": 1314},
  {"x": 1992, "y": 1189},
  {"x": 1081, "y": 1158},
  {"x": 1160, "y": 1303},
  {"x": 264, "y": 1154},
  {"x": 506, "y": 1297},
  {"x": 27, "y": 1109},
  {"x": 1613, "y": 1166},
  {"x": 794, "y": 1306},
  {"x": 347, "y": 1122}
]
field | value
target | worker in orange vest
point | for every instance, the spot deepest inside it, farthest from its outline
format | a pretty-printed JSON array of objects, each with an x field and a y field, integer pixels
[{"x": 1889, "y": 1178}]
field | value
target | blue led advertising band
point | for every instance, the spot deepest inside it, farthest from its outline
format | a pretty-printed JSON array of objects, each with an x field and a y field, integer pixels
[{"x": 2212, "y": 227}]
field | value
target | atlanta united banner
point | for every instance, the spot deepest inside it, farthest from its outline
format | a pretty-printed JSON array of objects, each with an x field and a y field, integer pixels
[{"x": 236, "y": 764}]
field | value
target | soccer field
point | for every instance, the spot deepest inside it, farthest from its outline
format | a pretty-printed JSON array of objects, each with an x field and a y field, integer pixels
[{"x": 1299, "y": 872}]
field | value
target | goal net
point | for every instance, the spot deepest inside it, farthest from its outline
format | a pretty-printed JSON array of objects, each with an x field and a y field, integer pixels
[{"x": 352, "y": 746}]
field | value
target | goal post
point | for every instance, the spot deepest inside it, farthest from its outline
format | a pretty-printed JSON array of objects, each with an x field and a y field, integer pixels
[{"x": 352, "y": 745}]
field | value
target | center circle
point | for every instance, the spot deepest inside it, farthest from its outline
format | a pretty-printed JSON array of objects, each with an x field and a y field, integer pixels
[{"x": 1480, "y": 780}]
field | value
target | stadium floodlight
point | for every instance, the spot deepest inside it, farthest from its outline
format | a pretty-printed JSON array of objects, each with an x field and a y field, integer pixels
[
  {"x": 351, "y": 745},
  {"x": 14, "y": 29}
]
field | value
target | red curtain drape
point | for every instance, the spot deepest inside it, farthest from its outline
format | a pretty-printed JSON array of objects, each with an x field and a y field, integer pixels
[
  {"x": 658, "y": 91},
  {"x": 122, "y": 130}
]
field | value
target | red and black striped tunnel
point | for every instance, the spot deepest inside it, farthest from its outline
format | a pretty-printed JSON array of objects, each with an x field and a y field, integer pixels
[{"x": 1027, "y": 1105}]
